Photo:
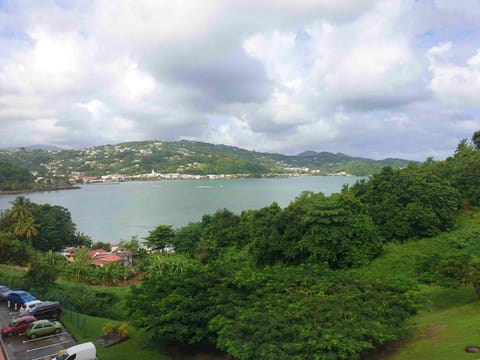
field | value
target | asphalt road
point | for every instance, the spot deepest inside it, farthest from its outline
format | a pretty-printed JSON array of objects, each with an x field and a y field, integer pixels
[{"x": 18, "y": 347}]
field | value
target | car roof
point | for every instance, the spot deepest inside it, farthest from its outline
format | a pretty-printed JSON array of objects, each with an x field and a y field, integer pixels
[
  {"x": 33, "y": 302},
  {"x": 45, "y": 305},
  {"x": 41, "y": 321},
  {"x": 48, "y": 303},
  {"x": 19, "y": 292},
  {"x": 26, "y": 317}
]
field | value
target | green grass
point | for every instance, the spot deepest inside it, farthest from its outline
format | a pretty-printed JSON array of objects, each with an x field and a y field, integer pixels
[
  {"x": 443, "y": 331},
  {"x": 450, "y": 318},
  {"x": 11, "y": 276},
  {"x": 136, "y": 347}
]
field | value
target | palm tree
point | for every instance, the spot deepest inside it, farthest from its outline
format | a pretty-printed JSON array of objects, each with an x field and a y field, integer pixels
[
  {"x": 26, "y": 229},
  {"x": 22, "y": 208}
]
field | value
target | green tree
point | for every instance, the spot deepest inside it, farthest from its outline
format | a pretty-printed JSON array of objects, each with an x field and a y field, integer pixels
[
  {"x": 44, "y": 270},
  {"x": 21, "y": 208},
  {"x": 82, "y": 239},
  {"x": 101, "y": 245},
  {"x": 13, "y": 177},
  {"x": 220, "y": 231},
  {"x": 476, "y": 139},
  {"x": 55, "y": 226},
  {"x": 160, "y": 238},
  {"x": 263, "y": 234},
  {"x": 14, "y": 251},
  {"x": 132, "y": 245},
  {"x": 409, "y": 203},
  {"x": 25, "y": 228},
  {"x": 276, "y": 312},
  {"x": 81, "y": 269},
  {"x": 339, "y": 232},
  {"x": 186, "y": 238}
]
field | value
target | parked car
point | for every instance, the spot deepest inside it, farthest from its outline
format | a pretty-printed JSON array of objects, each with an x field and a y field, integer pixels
[
  {"x": 47, "y": 310},
  {"x": 19, "y": 297},
  {"x": 85, "y": 351},
  {"x": 43, "y": 328},
  {"x": 29, "y": 306},
  {"x": 4, "y": 292},
  {"x": 18, "y": 325}
]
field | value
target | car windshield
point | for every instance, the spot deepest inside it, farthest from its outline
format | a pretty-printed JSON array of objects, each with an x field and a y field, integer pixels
[
  {"x": 25, "y": 295},
  {"x": 13, "y": 323},
  {"x": 63, "y": 356}
]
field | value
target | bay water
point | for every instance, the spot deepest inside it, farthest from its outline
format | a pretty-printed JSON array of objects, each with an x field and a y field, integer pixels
[{"x": 114, "y": 212}]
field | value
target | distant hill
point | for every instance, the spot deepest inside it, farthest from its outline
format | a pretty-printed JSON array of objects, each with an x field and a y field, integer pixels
[
  {"x": 14, "y": 177},
  {"x": 188, "y": 157},
  {"x": 33, "y": 147}
]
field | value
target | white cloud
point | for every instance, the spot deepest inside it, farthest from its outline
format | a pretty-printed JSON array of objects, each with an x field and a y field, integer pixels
[
  {"x": 284, "y": 76},
  {"x": 454, "y": 84}
]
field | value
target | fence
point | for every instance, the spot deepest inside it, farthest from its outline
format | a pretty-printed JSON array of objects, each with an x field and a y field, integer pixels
[{"x": 76, "y": 318}]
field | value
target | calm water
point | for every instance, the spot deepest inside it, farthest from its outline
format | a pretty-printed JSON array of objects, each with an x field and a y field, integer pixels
[{"x": 112, "y": 212}]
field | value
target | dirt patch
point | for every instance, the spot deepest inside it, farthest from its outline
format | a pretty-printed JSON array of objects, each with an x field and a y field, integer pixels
[
  {"x": 433, "y": 332},
  {"x": 387, "y": 351}
]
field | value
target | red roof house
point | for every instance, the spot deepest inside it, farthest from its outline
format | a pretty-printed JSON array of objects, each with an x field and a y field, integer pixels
[{"x": 101, "y": 257}]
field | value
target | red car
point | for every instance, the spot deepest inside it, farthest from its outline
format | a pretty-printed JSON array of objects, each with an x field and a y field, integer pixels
[{"x": 18, "y": 325}]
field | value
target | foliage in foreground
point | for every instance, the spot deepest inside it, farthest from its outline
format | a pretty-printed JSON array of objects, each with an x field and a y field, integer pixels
[{"x": 296, "y": 312}]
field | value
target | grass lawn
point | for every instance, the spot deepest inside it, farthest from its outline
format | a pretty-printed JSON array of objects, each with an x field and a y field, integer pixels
[
  {"x": 136, "y": 347},
  {"x": 444, "y": 330},
  {"x": 450, "y": 319}
]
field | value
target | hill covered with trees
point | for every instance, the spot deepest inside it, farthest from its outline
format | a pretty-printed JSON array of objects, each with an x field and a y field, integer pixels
[
  {"x": 13, "y": 177},
  {"x": 187, "y": 157}
]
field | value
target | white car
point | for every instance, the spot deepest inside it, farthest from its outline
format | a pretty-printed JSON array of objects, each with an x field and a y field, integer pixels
[{"x": 29, "y": 306}]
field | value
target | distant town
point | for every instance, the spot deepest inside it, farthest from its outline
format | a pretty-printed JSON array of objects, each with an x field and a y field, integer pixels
[{"x": 163, "y": 160}]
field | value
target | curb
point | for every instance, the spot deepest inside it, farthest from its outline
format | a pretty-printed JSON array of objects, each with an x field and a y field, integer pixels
[{"x": 3, "y": 354}]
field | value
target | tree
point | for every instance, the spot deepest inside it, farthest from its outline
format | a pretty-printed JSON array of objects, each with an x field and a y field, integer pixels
[
  {"x": 13, "y": 177},
  {"x": 14, "y": 251},
  {"x": 186, "y": 238},
  {"x": 263, "y": 234},
  {"x": 220, "y": 231},
  {"x": 102, "y": 245},
  {"x": 339, "y": 232},
  {"x": 160, "y": 238},
  {"x": 22, "y": 208},
  {"x": 55, "y": 226},
  {"x": 476, "y": 139},
  {"x": 276, "y": 312},
  {"x": 82, "y": 239},
  {"x": 81, "y": 268},
  {"x": 409, "y": 203},
  {"x": 44, "y": 270},
  {"x": 25, "y": 228}
]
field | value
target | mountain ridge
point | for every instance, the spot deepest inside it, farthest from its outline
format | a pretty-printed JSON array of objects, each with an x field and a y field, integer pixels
[{"x": 189, "y": 157}]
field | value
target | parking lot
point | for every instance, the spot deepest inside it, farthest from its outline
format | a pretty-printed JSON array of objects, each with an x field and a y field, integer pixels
[{"x": 18, "y": 347}]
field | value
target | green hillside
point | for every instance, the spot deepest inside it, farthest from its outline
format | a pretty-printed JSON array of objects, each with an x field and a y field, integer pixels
[{"x": 187, "y": 157}]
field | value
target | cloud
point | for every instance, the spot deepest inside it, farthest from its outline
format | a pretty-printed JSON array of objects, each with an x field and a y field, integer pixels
[
  {"x": 455, "y": 84},
  {"x": 370, "y": 78}
]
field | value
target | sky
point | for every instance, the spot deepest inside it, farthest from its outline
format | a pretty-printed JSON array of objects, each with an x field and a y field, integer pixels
[{"x": 370, "y": 78}]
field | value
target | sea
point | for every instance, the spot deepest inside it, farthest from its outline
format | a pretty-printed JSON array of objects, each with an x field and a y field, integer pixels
[{"x": 111, "y": 212}]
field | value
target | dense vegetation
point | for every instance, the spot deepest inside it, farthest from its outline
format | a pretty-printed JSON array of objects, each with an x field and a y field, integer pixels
[
  {"x": 275, "y": 283},
  {"x": 43, "y": 227},
  {"x": 188, "y": 157},
  {"x": 301, "y": 282},
  {"x": 13, "y": 177}
]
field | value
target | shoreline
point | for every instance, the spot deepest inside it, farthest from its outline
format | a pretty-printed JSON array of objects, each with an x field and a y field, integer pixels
[{"x": 46, "y": 189}]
